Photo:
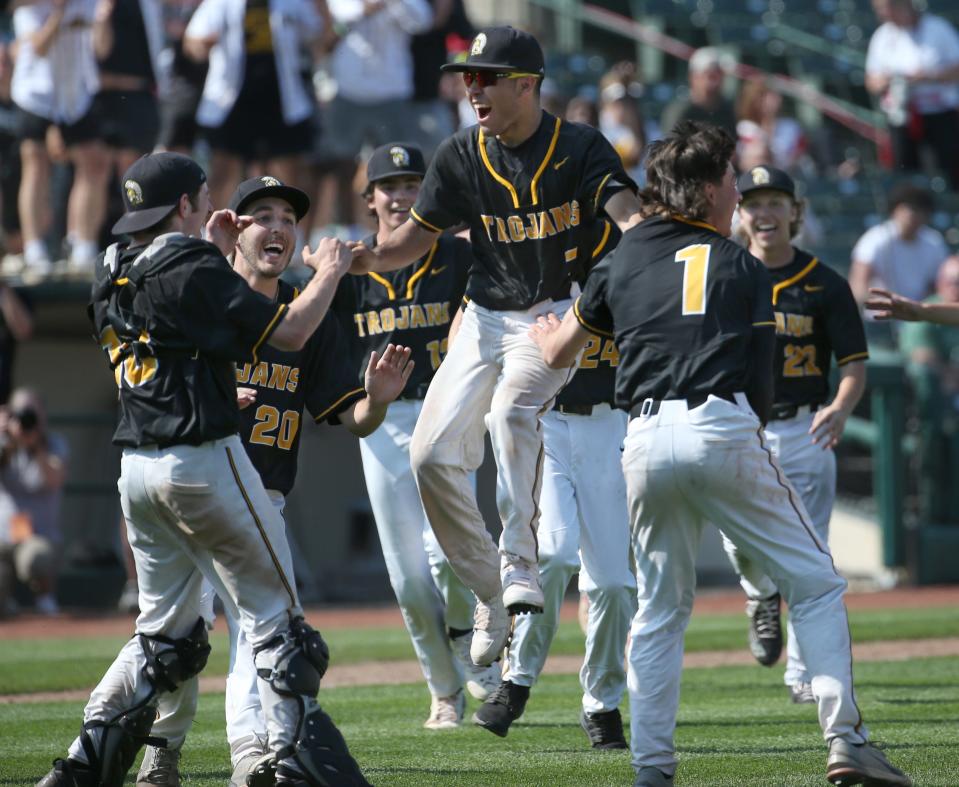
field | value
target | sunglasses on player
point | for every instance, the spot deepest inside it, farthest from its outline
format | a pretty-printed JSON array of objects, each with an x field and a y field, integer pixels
[{"x": 486, "y": 79}]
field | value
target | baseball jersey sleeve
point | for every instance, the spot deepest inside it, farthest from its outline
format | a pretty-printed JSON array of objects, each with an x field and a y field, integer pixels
[
  {"x": 844, "y": 324},
  {"x": 443, "y": 201},
  {"x": 603, "y": 174},
  {"x": 221, "y": 315},
  {"x": 762, "y": 307},
  {"x": 591, "y": 308},
  {"x": 329, "y": 373}
]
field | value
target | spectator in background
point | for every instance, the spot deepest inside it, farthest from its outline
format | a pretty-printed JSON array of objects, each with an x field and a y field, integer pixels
[
  {"x": 372, "y": 67},
  {"x": 54, "y": 82},
  {"x": 582, "y": 110},
  {"x": 256, "y": 108},
  {"x": 32, "y": 473},
  {"x": 705, "y": 103},
  {"x": 934, "y": 348},
  {"x": 16, "y": 325},
  {"x": 758, "y": 120},
  {"x": 9, "y": 158},
  {"x": 903, "y": 253},
  {"x": 179, "y": 104},
  {"x": 912, "y": 64}
]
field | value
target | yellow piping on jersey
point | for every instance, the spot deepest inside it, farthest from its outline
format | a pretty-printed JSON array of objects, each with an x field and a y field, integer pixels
[
  {"x": 420, "y": 220},
  {"x": 694, "y": 222},
  {"x": 793, "y": 279},
  {"x": 602, "y": 243},
  {"x": 534, "y": 185},
  {"x": 586, "y": 325},
  {"x": 854, "y": 357},
  {"x": 422, "y": 271},
  {"x": 337, "y": 403},
  {"x": 268, "y": 330},
  {"x": 771, "y": 324},
  {"x": 599, "y": 190},
  {"x": 390, "y": 292}
]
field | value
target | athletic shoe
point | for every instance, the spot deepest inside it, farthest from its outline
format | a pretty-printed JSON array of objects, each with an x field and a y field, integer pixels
[
  {"x": 502, "y": 708},
  {"x": 68, "y": 773},
  {"x": 446, "y": 713},
  {"x": 604, "y": 730},
  {"x": 648, "y": 776},
  {"x": 480, "y": 681},
  {"x": 521, "y": 588},
  {"x": 765, "y": 629},
  {"x": 256, "y": 769},
  {"x": 159, "y": 766},
  {"x": 851, "y": 763},
  {"x": 490, "y": 631},
  {"x": 801, "y": 693}
]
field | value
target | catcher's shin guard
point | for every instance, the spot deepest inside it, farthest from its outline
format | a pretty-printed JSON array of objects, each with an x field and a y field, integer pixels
[{"x": 316, "y": 754}]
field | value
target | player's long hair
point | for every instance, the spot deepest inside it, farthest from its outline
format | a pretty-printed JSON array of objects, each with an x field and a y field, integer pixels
[{"x": 678, "y": 167}]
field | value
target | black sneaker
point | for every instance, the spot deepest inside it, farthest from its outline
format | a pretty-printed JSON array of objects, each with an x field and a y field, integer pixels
[
  {"x": 765, "y": 629},
  {"x": 604, "y": 730},
  {"x": 67, "y": 773},
  {"x": 501, "y": 708}
]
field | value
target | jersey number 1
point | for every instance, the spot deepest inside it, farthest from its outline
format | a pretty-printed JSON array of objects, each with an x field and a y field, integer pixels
[{"x": 695, "y": 261}]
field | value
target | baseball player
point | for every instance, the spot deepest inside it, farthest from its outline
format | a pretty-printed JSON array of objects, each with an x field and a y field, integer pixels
[
  {"x": 816, "y": 319},
  {"x": 272, "y": 395},
  {"x": 583, "y": 521},
  {"x": 691, "y": 313},
  {"x": 173, "y": 318},
  {"x": 530, "y": 186},
  {"x": 414, "y": 306}
]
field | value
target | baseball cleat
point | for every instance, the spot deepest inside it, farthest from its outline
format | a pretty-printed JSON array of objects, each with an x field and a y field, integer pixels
[
  {"x": 160, "y": 766},
  {"x": 801, "y": 693},
  {"x": 851, "y": 764},
  {"x": 68, "y": 773},
  {"x": 604, "y": 730},
  {"x": 502, "y": 708},
  {"x": 521, "y": 589},
  {"x": 446, "y": 713},
  {"x": 256, "y": 769},
  {"x": 765, "y": 629},
  {"x": 491, "y": 627},
  {"x": 648, "y": 776},
  {"x": 480, "y": 681}
]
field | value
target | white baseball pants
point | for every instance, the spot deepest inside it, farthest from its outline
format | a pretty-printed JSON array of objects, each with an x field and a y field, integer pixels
[
  {"x": 685, "y": 468},
  {"x": 429, "y": 594},
  {"x": 812, "y": 471},
  {"x": 583, "y": 521},
  {"x": 195, "y": 512},
  {"x": 493, "y": 377}
]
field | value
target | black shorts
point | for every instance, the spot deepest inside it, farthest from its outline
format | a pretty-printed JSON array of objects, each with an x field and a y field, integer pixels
[
  {"x": 178, "y": 127},
  {"x": 254, "y": 131},
  {"x": 86, "y": 129},
  {"x": 30, "y": 126},
  {"x": 128, "y": 120}
]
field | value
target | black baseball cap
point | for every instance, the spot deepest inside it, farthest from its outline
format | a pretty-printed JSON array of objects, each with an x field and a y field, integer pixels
[
  {"x": 502, "y": 49},
  {"x": 394, "y": 159},
  {"x": 266, "y": 186},
  {"x": 152, "y": 187},
  {"x": 766, "y": 178}
]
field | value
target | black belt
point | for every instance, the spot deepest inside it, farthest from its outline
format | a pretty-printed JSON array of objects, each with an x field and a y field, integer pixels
[
  {"x": 650, "y": 407},
  {"x": 575, "y": 409},
  {"x": 783, "y": 412}
]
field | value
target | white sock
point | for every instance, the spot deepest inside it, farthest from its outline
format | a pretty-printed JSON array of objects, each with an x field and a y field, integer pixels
[
  {"x": 34, "y": 251},
  {"x": 83, "y": 251}
]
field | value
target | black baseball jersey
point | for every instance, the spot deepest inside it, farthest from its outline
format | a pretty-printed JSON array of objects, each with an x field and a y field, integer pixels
[
  {"x": 682, "y": 302},
  {"x": 412, "y": 306},
  {"x": 531, "y": 209},
  {"x": 173, "y": 317},
  {"x": 595, "y": 379},
  {"x": 816, "y": 318},
  {"x": 319, "y": 376}
]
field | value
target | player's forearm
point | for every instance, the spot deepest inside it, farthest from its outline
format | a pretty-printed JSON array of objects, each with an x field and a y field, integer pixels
[
  {"x": 623, "y": 208},
  {"x": 404, "y": 245},
  {"x": 941, "y": 313},
  {"x": 304, "y": 315},
  {"x": 852, "y": 384},
  {"x": 561, "y": 349},
  {"x": 365, "y": 417}
]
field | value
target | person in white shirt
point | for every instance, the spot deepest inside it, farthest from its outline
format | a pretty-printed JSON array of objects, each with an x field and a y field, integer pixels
[
  {"x": 54, "y": 82},
  {"x": 256, "y": 107},
  {"x": 901, "y": 254},
  {"x": 912, "y": 65}
]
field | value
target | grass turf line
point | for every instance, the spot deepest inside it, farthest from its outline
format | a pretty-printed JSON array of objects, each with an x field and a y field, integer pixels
[{"x": 736, "y": 727}]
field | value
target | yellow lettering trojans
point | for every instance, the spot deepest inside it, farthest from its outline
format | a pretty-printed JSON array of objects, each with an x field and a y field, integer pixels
[
  {"x": 402, "y": 317},
  {"x": 269, "y": 375},
  {"x": 532, "y": 226},
  {"x": 797, "y": 325}
]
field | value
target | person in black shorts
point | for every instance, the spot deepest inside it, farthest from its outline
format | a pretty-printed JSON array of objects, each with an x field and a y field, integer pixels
[
  {"x": 173, "y": 319},
  {"x": 691, "y": 314},
  {"x": 532, "y": 188}
]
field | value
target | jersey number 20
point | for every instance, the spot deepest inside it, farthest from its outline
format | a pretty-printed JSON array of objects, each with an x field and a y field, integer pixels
[
  {"x": 695, "y": 261},
  {"x": 267, "y": 420}
]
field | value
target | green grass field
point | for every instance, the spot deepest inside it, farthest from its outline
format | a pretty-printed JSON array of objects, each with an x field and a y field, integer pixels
[{"x": 736, "y": 725}]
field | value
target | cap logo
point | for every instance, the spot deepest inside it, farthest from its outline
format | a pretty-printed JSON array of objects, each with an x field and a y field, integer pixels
[
  {"x": 268, "y": 181},
  {"x": 479, "y": 44},
  {"x": 134, "y": 192},
  {"x": 400, "y": 157},
  {"x": 760, "y": 176}
]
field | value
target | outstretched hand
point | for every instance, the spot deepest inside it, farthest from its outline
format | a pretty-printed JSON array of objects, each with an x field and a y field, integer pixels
[
  {"x": 888, "y": 305},
  {"x": 331, "y": 255},
  {"x": 386, "y": 376},
  {"x": 224, "y": 228}
]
